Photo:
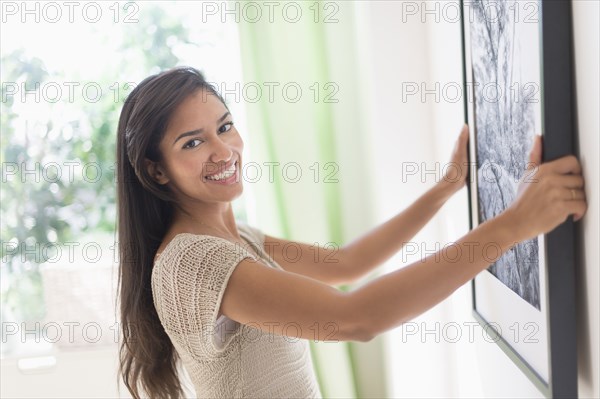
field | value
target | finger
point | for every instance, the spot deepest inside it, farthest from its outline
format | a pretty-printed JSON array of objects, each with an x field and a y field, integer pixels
[
  {"x": 577, "y": 209},
  {"x": 535, "y": 156},
  {"x": 464, "y": 133},
  {"x": 462, "y": 138},
  {"x": 566, "y": 164},
  {"x": 574, "y": 194},
  {"x": 569, "y": 181}
]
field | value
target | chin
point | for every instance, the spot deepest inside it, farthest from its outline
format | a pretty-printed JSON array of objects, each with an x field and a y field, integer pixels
[{"x": 232, "y": 196}]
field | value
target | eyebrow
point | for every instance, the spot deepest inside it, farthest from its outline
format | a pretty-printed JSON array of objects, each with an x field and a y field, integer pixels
[{"x": 197, "y": 131}]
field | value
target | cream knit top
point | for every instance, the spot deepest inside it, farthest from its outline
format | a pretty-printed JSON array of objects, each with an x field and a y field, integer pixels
[{"x": 224, "y": 359}]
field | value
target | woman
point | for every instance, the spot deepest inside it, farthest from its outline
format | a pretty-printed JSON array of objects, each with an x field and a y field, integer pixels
[{"x": 200, "y": 287}]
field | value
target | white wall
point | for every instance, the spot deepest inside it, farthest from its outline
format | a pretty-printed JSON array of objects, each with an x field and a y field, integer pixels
[
  {"x": 586, "y": 26},
  {"x": 423, "y": 50},
  {"x": 401, "y": 129}
]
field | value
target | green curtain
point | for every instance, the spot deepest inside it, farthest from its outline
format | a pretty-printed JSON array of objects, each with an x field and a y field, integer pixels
[{"x": 315, "y": 129}]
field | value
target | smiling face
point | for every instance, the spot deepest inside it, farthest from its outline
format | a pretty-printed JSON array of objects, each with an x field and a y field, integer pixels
[{"x": 200, "y": 140}]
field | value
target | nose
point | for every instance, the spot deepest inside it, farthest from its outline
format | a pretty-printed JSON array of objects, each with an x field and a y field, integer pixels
[{"x": 221, "y": 153}]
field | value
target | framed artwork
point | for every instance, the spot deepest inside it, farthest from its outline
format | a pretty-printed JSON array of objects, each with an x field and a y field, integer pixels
[{"x": 517, "y": 76}]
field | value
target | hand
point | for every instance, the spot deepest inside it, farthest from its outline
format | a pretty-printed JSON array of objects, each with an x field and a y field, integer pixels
[
  {"x": 455, "y": 174},
  {"x": 547, "y": 194}
]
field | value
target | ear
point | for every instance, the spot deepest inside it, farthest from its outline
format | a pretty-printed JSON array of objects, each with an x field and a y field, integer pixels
[{"x": 156, "y": 171}]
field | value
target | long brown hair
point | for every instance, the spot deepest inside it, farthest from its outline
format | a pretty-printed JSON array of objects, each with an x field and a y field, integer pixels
[{"x": 147, "y": 358}]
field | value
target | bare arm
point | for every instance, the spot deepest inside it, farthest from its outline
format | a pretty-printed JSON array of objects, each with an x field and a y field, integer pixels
[
  {"x": 351, "y": 262},
  {"x": 547, "y": 195},
  {"x": 273, "y": 300},
  {"x": 404, "y": 294},
  {"x": 327, "y": 264},
  {"x": 381, "y": 243}
]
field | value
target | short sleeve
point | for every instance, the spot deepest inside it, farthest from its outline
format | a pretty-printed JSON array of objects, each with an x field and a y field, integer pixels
[
  {"x": 188, "y": 286},
  {"x": 257, "y": 240}
]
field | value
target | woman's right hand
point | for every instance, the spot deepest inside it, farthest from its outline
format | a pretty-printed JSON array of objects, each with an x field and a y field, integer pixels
[{"x": 547, "y": 194}]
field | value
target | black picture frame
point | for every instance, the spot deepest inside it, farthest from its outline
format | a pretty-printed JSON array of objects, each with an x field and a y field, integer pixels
[{"x": 558, "y": 127}]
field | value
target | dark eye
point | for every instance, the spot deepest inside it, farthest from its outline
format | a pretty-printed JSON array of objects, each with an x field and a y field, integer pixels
[
  {"x": 229, "y": 124},
  {"x": 187, "y": 145}
]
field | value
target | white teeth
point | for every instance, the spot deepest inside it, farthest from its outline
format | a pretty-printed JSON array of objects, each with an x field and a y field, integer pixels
[{"x": 224, "y": 175}]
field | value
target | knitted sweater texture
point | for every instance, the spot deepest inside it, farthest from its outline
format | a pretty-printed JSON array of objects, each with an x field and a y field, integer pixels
[{"x": 225, "y": 359}]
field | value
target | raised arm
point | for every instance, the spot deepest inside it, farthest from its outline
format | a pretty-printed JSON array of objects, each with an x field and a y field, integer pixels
[
  {"x": 381, "y": 243},
  {"x": 547, "y": 196},
  {"x": 351, "y": 262},
  {"x": 290, "y": 304},
  {"x": 275, "y": 300}
]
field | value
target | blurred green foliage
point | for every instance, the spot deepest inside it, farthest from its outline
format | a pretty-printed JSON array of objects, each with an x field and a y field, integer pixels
[{"x": 40, "y": 208}]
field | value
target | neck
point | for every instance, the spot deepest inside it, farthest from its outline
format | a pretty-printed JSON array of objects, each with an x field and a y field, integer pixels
[{"x": 216, "y": 218}]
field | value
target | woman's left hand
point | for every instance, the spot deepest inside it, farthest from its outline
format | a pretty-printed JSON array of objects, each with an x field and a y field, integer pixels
[{"x": 455, "y": 172}]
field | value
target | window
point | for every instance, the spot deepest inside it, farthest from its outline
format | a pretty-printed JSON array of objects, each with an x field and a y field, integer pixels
[{"x": 63, "y": 84}]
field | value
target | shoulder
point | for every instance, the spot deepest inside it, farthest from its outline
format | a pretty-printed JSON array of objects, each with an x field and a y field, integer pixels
[
  {"x": 193, "y": 266},
  {"x": 185, "y": 240},
  {"x": 187, "y": 255},
  {"x": 188, "y": 248},
  {"x": 189, "y": 279}
]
